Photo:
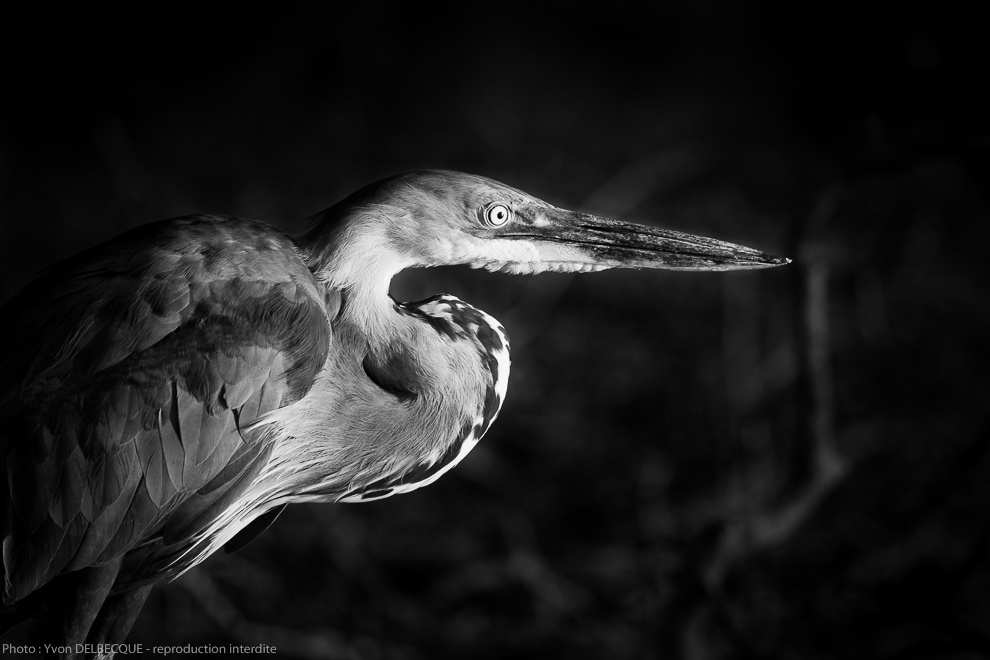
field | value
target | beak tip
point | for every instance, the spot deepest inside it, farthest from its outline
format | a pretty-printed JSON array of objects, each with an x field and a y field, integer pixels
[{"x": 771, "y": 260}]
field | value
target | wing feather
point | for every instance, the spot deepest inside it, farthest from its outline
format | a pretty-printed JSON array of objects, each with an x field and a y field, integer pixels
[
  {"x": 137, "y": 517},
  {"x": 127, "y": 377},
  {"x": 102, "y": 530},
  {"x": 67, "y": 548},
  {"x": 21, "y": 554},
  {"x": 199, "y": 511},
  {"x": 168, "y": 433},
  {"x": 108, "y": 473},
  {"x": 149, "y": 449},
  {"x": 189, "y": 413},
  {"x": 67, "y": 498},
  {"x": 129, "y": 406},
  {"x": 220, "y": 426}
]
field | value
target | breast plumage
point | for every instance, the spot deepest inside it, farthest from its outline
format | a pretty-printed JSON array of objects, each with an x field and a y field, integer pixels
[{"x": 453, "y": 321}]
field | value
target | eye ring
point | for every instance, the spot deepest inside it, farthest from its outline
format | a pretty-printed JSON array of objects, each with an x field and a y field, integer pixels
[{"x": 497, "y": 215}]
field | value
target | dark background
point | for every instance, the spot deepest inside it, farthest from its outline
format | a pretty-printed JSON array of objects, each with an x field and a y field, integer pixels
[{"x": 790, "y": 463}]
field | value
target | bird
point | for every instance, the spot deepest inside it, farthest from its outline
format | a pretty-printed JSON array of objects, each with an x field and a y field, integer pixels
[{"x": 167, "y": 393}]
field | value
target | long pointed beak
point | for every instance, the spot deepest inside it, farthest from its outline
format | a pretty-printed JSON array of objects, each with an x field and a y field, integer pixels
[{"x": 563, "y": 236}]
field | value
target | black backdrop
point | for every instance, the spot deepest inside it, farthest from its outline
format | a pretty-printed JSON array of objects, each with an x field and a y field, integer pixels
[{"x": 786, "y": 463}]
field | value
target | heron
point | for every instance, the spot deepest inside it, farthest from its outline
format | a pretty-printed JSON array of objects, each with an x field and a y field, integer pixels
[{"x": 167, "y": 393}]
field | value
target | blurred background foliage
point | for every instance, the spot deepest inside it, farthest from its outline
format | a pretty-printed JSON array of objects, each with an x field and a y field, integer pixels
[{"x": 776, "y": 464}]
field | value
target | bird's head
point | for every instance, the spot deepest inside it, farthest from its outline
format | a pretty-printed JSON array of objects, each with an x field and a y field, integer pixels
[{"x": 436, "y": 218}]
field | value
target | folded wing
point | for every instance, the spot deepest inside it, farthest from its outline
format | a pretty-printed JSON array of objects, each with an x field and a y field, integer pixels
[{"x": 129, "y": 377}]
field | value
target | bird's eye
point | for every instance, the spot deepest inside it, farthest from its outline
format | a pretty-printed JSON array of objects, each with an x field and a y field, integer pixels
[{"x": 497, "y": 215}]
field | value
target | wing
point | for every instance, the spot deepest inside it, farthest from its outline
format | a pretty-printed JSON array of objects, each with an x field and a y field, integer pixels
[{"x": 128, "y": 377}]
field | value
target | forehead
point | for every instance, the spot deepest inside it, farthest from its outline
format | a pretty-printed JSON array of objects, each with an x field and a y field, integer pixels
[{"x": 472, "y": 191}]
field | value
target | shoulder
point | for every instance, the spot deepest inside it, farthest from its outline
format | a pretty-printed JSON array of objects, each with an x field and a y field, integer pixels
[
  {"x": 211, "y": 247},
  {"x": 122, "y": 297},
  {"x": 208, "y": 247}
]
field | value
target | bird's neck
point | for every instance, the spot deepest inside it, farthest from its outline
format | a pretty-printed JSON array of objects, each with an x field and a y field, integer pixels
[
  {"x": 355, "y": 258},
  {"x": 407, "y": 389},
  {"x": 367, "y": 307}
]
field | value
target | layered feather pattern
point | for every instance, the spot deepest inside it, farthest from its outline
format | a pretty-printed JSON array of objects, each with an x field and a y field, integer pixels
[{"x": 130, "y": 376}]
